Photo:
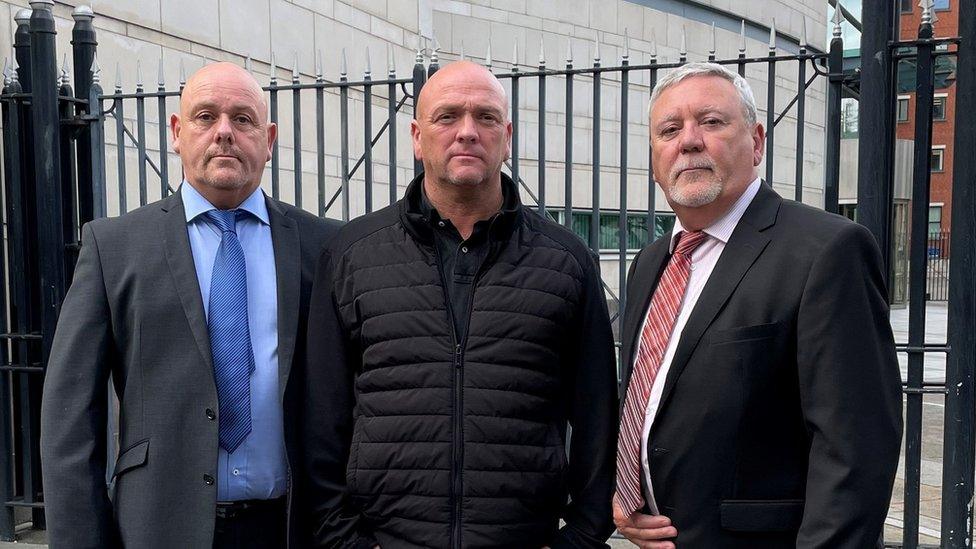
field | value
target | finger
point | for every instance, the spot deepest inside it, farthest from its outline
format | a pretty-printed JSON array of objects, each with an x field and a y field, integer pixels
[
  {"x": 656, "y": 545},
  {"x": 640, "y": 520},
  {"x": 638, "y": 535}
]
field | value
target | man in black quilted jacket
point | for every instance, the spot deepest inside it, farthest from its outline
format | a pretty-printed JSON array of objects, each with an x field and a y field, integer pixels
[{"x": 453, "y": 338}]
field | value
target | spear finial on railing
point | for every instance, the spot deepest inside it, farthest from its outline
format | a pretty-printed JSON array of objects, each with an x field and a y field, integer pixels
[
  {"x": 419, "y": 58},
  {"x": 711, "y": 52},
  {"x": 683, "y": 52},
  {"x": 160, "y": 77},
  {"x": 249, "y": 64},
  {"x": 368, "y": 73},
  {"x": 488, "y": 54},
  {"x": 14, "y": 78},
  {"x": 837, "y": 20},
  {"x": 295, "y": 77},
  {"x": 118, "y": 78},
  {"x": 653, "y": 46},
  {"x": 6, "y": 72},
  {"x": 772, "y": 36},
  {"x": 390, "y": 61},
  {"x": 803, "y": 33},
  {"x": 138, "y": 75},
  {"x": 927, "y": 13},
  {"x": 515, "y": 57},
  {"x": 569, "y": 52},
  {"x": 274, "y": 70},
  {"x": 182, "y": 75},
  {"x": 542, "y": 52},
  {"x": 626, "y": 55},
  {"x": 343, "y": 67},
  {"x": 64, "y": 81},
  {"x": 742, "y": 39},
  {"x": 96, "y": 71},
  {"x": 319, "y": 71},
  {"x": 434, "y": 48},
  {"x": 461, "y": 56},
  {"x": 596, "y": 50}
]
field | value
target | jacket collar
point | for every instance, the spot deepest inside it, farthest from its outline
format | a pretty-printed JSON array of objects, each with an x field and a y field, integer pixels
[{"x": 418, "y": 215}]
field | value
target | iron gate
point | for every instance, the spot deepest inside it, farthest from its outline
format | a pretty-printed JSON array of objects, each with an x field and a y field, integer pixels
[{"x": 59, "y": 142}]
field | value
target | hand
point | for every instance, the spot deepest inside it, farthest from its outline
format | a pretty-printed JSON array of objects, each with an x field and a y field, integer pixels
[{"x": 645, "y": 531}]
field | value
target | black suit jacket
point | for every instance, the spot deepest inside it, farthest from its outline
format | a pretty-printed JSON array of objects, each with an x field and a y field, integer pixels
[
  {"x": 780, "y": 420},
  {"x": 134, "y": 312}
]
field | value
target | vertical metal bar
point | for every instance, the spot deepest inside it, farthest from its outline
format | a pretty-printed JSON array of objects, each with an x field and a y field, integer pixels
[
  {"x": 97, "y": 155},
  {"x": 515, "y": 123},
  {"x": 273, "y": 107},
  {"x": 344, "y": 143},
  {"x": 875, "y": 118},
  {"x": 835, "y": 68},
  {"x": 742, "y": 49},
  {"x": 320, "y": 136},
  {"x": 595, "y": 172},
  {"x": 141, "y": 143},
  {"x": 391, "y": 115},
  {"x": 69, "y": 217},
  {"x": 770, "y": 113},
  {"x": 419, "y": 77},
  {"x": 622, "y": 225},
  {"x": 651, "y": 187},
  {"x": 568, "y": 179},
  {"x": 163, "y": 142},
  {"x": 83, "y": 42},
  {"x": 801, "y": 105},
  {"x": 960, "y": 439},
  {"x": 542, "y": 136},
  {"x": 916, "y": 285},
  {"x": 368, "y": 141},
  {"x": 296, "y": 104},
  {"x": 119, "y": 114}
]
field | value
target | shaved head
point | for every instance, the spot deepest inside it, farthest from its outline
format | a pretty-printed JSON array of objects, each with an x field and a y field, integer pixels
[
  {"x": 460, "y": 72},
  {"x": 226, "y": 74}
]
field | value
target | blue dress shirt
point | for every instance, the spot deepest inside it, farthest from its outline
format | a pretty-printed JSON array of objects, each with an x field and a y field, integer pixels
[{"x": 258, "y": 467}]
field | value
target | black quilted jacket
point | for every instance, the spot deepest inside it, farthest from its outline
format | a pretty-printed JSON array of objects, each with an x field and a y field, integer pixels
[{"x": 416, "y": 437}]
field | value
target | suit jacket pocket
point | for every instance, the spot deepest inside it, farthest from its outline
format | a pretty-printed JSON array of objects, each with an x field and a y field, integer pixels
[
  {"x": 762, "y": 515},
  {"x": 134, "y": 456},
  {"x": 745, "y": 333}
]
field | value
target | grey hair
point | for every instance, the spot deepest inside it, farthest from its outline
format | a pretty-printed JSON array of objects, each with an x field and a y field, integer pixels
[{"x": 709, "y": 69}]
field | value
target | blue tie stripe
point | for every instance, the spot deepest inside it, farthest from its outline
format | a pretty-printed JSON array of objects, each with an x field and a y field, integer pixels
[{"x": 230, "y": 337}]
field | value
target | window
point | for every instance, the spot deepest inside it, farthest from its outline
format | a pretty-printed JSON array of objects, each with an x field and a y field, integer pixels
[
  {"x": 938, "y": 158},
  {"x": 903, "y": 108},
  {"x": 941, "y": 5},
  {"x": 610, "y": 227},
  {"x": 939, "y": 107},
  {"x": 935, "y": 219},
  {"x": 849, "y": 211},
  {"x": 906, "y": 6}
]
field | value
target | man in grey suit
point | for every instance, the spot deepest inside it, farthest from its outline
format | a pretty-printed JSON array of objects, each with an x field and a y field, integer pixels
[{"x": 196, "y": 306}]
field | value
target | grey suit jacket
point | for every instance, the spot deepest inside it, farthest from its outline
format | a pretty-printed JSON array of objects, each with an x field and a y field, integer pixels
[{"x": 134, "y": 312}]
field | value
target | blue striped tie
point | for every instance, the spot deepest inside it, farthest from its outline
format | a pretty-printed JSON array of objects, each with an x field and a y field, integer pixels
[{"x": 230, "y": 338}]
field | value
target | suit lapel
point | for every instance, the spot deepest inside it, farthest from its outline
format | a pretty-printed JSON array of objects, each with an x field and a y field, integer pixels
[
  {"x": 743, "y": 248},
  {"x": 287, "y": 253},
  {"x": 641, "y": 288},
  {"x": 180, "y": 259}
]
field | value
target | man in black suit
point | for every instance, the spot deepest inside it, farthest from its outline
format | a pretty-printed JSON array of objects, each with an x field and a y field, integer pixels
[
  {"x": 762, "y": 393},
  {"x": 196, "y": 306}
]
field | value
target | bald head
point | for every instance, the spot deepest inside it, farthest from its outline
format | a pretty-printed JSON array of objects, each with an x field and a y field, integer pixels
[
  {"x": 222, "y": 133},
  {"x": 460, "y": 74}
]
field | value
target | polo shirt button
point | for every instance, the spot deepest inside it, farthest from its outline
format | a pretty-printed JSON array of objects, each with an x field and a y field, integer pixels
[
  {"x": 208, "y": 479},
  {"x": 211, "y": 415},
  {"x": 464, "y": 249}
]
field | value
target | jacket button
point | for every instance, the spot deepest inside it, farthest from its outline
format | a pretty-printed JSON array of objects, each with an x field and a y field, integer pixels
[
  {"x": 211, "y": 415},
  {"x": 208, "y": 479}
]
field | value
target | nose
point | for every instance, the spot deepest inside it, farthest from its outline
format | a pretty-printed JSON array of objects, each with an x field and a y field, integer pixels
[
  {"x": 691, "y": 139},
  {"x": 467, "y": 131},
  {"x": 224, "y": 129}
]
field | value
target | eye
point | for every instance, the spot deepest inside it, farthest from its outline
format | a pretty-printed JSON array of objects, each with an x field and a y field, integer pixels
[
  {"x": 206, "y": 116},
  {"x": 445, "y": 117},
  {"x": 711, "y": 122},
  {"x": 242, "y": 119},
  {"x": 668, "y": 131}
]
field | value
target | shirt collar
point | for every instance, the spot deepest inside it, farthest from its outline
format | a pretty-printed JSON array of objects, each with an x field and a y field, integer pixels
[
  {"x": 722, "y": 228},
  {"x": 196, "y": 205}
]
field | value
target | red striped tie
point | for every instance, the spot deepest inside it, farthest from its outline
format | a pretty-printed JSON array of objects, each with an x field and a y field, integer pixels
[{"x": 653, "y": 342}]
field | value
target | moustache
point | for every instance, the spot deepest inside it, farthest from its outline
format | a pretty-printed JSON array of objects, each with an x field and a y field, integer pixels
[
  {"x": 691, "y": 165},
  {"x": 228, "y": 152}
]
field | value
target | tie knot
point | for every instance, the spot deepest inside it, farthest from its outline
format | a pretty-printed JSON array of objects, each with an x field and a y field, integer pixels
[
  {"x": 688, "y": 241},
  {"x": 225, "y": 220}
]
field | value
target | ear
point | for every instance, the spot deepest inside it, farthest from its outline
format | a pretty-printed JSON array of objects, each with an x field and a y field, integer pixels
[
  {"x": 174, "y": 131},
  {"x": 415, "y": 137},
  {"x": 272, "y": 136},
  {"x": 508, "y": 140},
  {"x": 758, "y": 144}
]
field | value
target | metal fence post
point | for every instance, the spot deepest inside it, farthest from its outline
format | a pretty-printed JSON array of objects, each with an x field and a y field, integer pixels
[
  {"x": 835, "y": 70},
  {"x": 419, "y": 77},
  {"x": 83, "y": 44},
  {"x": 875, "y": 117},
  {"x": 960, "y": 439}
]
